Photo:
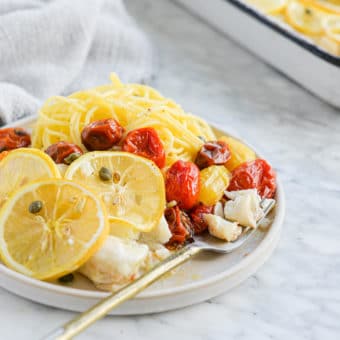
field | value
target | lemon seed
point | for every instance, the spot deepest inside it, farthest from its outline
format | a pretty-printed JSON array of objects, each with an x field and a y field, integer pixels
[{"x": 116, "y": 177}]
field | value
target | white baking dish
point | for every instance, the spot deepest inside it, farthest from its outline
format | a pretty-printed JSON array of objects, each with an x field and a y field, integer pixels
[{"x": 276, "y": 43}]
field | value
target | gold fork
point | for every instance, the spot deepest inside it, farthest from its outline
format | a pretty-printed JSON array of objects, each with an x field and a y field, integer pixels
[{"x": 202, "y": 243}]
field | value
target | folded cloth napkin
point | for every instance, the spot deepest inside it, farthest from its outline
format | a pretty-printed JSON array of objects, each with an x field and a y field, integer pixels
[{"x": 60, "y": 46}]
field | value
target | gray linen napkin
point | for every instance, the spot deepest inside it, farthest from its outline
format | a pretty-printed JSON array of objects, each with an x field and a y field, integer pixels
[{"x": 60, "y": 46}]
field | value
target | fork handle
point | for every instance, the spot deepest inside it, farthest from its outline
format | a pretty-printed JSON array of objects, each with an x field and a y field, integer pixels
[{"x": 85, "y": 319}]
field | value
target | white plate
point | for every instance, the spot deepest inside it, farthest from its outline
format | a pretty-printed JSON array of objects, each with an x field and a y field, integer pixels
[{"x": 204, "y": 277}]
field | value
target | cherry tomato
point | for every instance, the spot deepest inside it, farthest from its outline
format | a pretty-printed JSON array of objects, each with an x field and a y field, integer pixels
[
  {"x": 102, "y": 134},
  {"x": 145, "y": 142},
  {"x": 257, "y": 174},
  {"x": 62, "y": 152},
  {"x": 13, "y": 138},
  {"x": 182, "y": 184},
  {"x": 179, "y": 225},
  {"x": 196, "y": 215},
  {"x": 213, "y": 153}
]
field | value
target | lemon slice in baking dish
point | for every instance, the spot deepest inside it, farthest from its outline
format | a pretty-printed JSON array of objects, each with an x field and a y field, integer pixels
[
  {"x": 131, "y": 187},
  {"x": 306, "y": 19},
  {"x": 22, "y": 166},
  {"x": 269, "y": 6},
  {"x": 50, "y": 228},
  {"x": 331, "y": 26}
]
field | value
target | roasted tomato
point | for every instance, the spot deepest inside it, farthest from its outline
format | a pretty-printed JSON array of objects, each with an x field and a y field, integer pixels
[
  {"x": 182, "y": 184},
  {"x": 257, "y": 174},
  {"x": 213, "y": 153},
  {"x": 13, "y": 138},
  {"x": 64, "y": 152},
  {"x": 179, "y": 225},
  {"x": 196, "y": 215},
  {"x": 145, "y": 142},
  {"x": 102, "y": 134}
]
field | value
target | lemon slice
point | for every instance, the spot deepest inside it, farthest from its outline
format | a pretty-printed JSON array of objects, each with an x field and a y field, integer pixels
[
  {"x": 135, "y": 192},
  {"x": 56, "y": 236},
  {"x": 331, "y": 26},
  {"x": 123, "y": 229},
  {"x": 306, "y": 19},
  {"x": 269, "y": 6},
  {"x": 22, "y": 166}
]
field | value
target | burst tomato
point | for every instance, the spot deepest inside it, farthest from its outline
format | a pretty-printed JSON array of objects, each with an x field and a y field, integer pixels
[
  {"x": 182, "y": 184},
  {"x": 196, "y": 215},
  {"x": 145, "y": 142},
  {"x": 257, "y": 174},
  {"x": 102, "y": 134},
  {"x": 213, "y": 153},
  {"x": 179, "y": 225},
  {"x": 13, "y": 138},
  {"x": 61, "y": 151}
]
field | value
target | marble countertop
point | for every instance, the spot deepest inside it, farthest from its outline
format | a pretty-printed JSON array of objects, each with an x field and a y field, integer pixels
[{"x": 296, "y": 294}]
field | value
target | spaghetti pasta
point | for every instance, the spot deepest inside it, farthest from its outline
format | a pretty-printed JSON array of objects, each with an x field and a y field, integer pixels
[{"x": 133, "y": 106}]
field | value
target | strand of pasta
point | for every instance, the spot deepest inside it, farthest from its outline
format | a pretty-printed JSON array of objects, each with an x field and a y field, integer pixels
[{"x": 134, "y": 106}]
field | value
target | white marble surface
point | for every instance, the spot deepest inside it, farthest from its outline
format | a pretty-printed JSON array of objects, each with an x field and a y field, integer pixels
[{"x": 296, "y": 294}]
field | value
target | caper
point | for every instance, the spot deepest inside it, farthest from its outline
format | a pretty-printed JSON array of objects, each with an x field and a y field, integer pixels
[
  {"x": 35, "y": 207},
  {"x": 71, "y": 157},
  {"x": 66, "y": 278},
  {"x": 116, "y": 177},
  {"x": 105, "y": 174}
]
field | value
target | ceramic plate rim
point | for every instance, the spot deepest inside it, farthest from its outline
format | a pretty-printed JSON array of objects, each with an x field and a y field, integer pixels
[{"x": 277, "y": 224}]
